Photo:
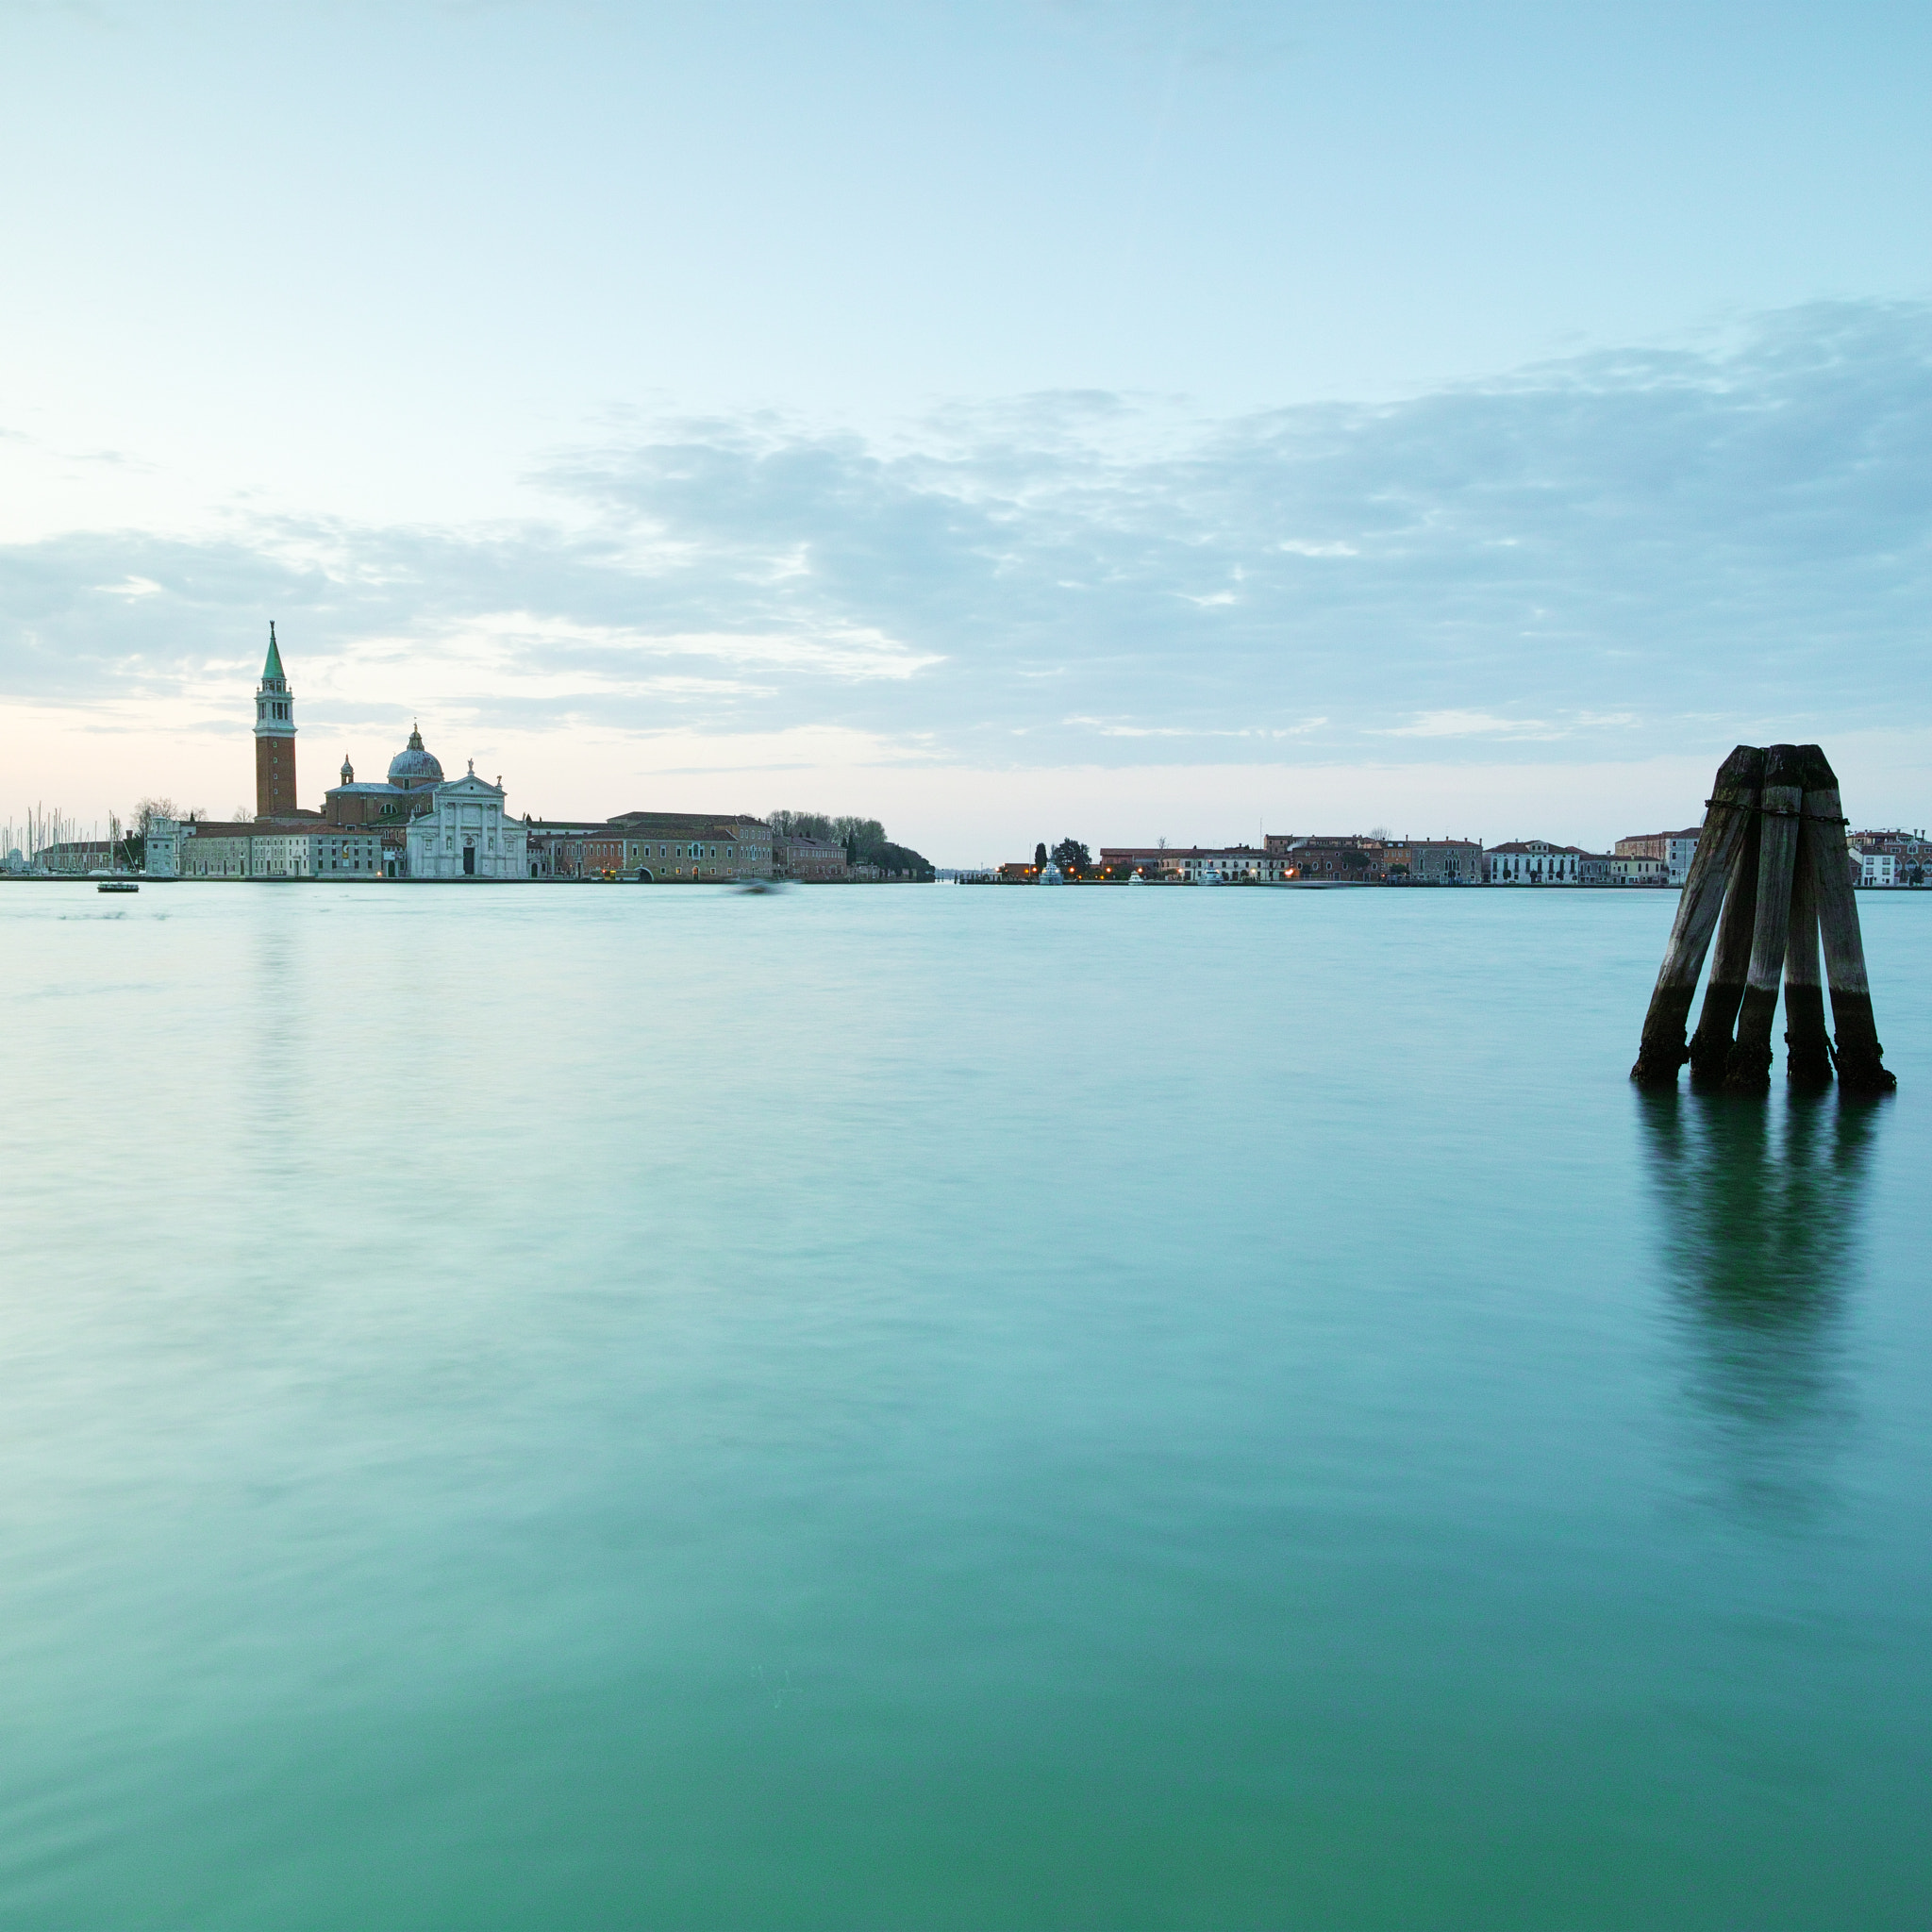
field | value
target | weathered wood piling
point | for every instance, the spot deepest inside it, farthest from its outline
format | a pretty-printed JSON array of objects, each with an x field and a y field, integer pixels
[
  {"x": 1807, "y": 1045},
  {"x": 1733, "y": 801},
  {"x": 1770, "y": 879},
  {"x": 1780, "y": 806},
  {"x": 1730, "y": 964}
]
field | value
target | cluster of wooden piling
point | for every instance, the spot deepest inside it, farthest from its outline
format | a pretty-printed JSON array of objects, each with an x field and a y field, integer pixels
[{"x": 1770, "y": 878}]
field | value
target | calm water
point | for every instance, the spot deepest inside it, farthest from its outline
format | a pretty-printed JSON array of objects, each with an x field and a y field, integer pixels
[{"x": 931, "y": 1407}]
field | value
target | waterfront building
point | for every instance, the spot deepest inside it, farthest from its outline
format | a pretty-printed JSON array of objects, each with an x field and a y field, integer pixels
[
  {"x": 1195, "y": 862},
  {"x": 266, "y": 849},
  {"x": 810, "y": 859},
  {"x": 1286, "y": 857},
  {"x": 1676, "y": 849},
  {"x": 1533, "y": 862},
  {"x": 1593, "y": 869},
  {"x": 1877, "y": 868},
  {"x": 161, "y": 849},
  {"x": 214, "y": 849},
  {"x": 651, "y": 847},
  {"x": 556, "y": 848},
  {"x": 658, "y": 845},
  {"x": 1911, "y": 850},
  {"x": 1436, "y": 861},
  {"x": 1281, "y": 843},
  {"x": 358, "y": 852},
  {"x": 280, "y": 851},
  {"x": 252, "y": 849},
  {"x": 1638, "y": 868},
  {"x": 1151, "y": 859},
  {"x": 76, "y": 857},
  {"x": 1224, "y": 863},
  {"x": 466, "y": 834}
]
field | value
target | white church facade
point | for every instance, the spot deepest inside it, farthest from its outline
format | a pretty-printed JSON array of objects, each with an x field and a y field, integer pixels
[{"x": 466, "y": 834}]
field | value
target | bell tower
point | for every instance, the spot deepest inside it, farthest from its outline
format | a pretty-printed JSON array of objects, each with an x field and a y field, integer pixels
[{"x": 274, "y": 738}]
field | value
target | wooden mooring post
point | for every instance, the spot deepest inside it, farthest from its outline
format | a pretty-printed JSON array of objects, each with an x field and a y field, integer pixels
[
  {"x": 1770, "y": 878},
  {"x": 1730, "y": 965},
  {"x": 1807, "y": 1045},
  {"x": 1733, "y": 801}
]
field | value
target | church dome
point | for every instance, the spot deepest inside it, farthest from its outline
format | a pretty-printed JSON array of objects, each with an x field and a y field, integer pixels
[{"x": 414, "y": 768}]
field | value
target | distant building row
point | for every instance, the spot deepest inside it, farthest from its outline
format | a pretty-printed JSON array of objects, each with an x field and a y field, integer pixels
[
  {"x": 1645, "y": 859},
  {"x": 466, "y": 833},
  {"x": 1286, "y": 858}
]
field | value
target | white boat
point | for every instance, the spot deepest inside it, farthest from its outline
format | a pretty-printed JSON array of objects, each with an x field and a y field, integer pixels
[
  {"x": 117, "y": 886},
  {"x": 1050, "y": 875}
]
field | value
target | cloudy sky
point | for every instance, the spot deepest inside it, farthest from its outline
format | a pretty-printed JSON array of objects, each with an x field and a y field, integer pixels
[{"x": 1124, "y": 420}]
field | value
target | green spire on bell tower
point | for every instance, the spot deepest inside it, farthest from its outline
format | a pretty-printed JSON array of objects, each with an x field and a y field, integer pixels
[{"x": 273, "y": 668}]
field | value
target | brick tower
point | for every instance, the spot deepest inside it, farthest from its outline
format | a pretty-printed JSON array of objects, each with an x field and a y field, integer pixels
[{"x": 274, "y": 738}]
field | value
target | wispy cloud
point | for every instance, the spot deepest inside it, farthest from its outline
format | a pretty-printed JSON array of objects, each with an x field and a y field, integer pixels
[
  {"x": 1609, "y": 554},
  {"x": 1461, "y": 723}
]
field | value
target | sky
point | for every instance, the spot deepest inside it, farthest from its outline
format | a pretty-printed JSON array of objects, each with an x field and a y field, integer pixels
[{"x": 1010, "y": 422}]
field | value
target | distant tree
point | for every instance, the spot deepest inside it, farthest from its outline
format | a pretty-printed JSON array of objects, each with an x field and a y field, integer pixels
[
  {"x": 863, "y": 839},
  {"x": 901, "y": 862},
  {"x": 803, "y": 825},
  {"x": 1072, "y": 859},
  {"x": 1039, "y": 856},
  {"x": 149, "y": 810},
  {"x": 240, "y": 816},
  {"x": 130, "y": 849}
]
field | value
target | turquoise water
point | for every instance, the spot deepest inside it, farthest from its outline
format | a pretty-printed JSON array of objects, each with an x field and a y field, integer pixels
[{"x": 931, "y": 1407}]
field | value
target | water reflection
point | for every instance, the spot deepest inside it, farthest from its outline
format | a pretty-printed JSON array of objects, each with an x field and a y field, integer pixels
[{"x": 1761, "y": 1208}]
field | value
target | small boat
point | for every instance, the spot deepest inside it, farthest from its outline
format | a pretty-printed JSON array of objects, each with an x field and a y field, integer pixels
[{"x": 117, "y": 886}]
